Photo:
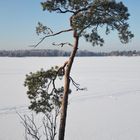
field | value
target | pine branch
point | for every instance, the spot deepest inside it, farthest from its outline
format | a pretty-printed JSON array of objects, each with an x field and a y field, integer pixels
[
  {"x": 62, "y": 44},
  {"x": 61, "y": 11},
  {"x": 50, "y": 35}
]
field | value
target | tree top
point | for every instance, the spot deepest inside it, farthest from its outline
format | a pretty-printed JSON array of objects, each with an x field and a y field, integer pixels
[{"x": 88, "y": 15}]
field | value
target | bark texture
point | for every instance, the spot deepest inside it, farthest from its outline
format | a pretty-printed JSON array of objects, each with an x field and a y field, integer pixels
[{"x": 66, "y": 88}]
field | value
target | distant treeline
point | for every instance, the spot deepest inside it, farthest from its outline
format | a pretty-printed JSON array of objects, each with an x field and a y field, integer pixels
[{"x": 48, "y": 52}]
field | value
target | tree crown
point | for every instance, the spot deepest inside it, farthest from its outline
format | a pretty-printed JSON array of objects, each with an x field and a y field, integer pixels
[{"x": 88, "y": 15}]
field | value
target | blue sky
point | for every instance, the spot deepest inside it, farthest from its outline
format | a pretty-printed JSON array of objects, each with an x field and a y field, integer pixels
[{"x": 18, "y": 19}]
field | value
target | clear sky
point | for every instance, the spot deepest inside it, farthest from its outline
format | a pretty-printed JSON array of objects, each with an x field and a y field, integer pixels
[{"x": 18, "y": 19}]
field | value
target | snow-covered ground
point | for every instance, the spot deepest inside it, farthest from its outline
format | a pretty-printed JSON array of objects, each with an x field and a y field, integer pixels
[{"x": 108, "y": 110}]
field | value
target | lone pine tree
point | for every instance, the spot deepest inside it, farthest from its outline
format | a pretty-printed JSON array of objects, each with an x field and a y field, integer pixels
[{"x": 86, "y": 17}]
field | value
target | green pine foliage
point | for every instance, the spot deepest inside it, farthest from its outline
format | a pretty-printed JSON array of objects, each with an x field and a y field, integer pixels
[
  {"x": 88, "y": 15},
  {"x": 42, "y": 92}
]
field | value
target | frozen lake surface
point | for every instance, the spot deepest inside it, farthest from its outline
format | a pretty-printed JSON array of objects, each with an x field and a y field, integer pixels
[{"x": 108, "y": 110}]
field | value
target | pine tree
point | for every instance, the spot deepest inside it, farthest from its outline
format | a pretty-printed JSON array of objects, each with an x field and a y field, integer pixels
[{"x": 86, "y": 17}]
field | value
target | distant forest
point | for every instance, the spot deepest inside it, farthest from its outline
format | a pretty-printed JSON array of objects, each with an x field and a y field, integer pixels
[{"x": 55, "y": 53}]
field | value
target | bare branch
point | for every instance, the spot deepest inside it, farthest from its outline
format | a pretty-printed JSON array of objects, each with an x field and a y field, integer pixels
[
  {"x": 48, "y": 125},
  {"x": 76, "y": 84},
  {"x": 55, "y": 34},
  {"x": 30, "y": 126},
  {"x": 62, "y": 44},
  {"x": 61, "y": 11}
]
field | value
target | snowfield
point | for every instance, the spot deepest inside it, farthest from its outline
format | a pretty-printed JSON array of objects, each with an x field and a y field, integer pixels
[{"x": 108, "y": 110}]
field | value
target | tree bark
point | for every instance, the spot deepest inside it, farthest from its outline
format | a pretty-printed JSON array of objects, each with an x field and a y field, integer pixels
[{"x": 66, "y": 88}]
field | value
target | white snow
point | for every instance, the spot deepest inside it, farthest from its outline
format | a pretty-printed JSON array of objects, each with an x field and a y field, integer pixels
[{"x": 108, "y": 110}]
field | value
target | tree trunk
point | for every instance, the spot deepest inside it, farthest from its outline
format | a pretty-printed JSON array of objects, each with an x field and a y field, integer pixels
[{"x": 66, "y": 89}]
